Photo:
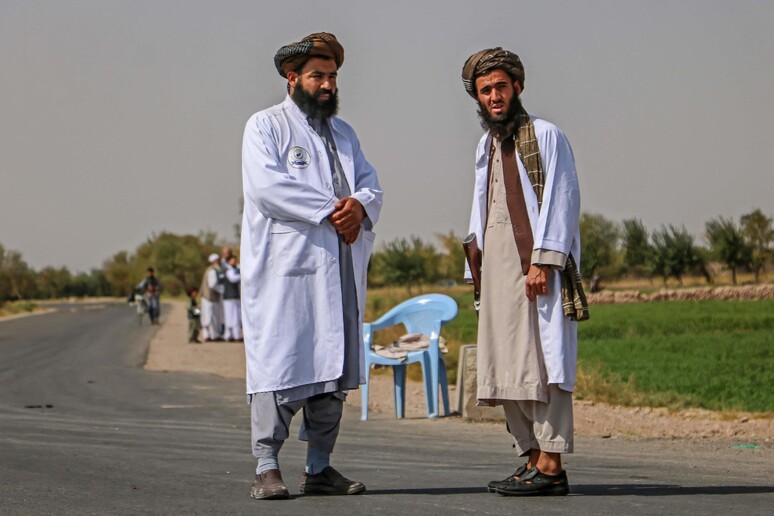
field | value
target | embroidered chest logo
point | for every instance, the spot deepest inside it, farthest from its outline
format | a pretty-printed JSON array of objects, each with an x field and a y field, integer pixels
[{"x": 299, "y": 157}]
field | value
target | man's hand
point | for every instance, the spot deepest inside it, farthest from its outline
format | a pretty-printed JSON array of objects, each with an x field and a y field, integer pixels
[
  {"x": 347, "y": 215},
  {"x": 537, "y": 281}
]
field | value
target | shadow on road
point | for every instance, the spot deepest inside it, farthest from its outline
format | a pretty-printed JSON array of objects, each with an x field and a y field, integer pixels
[
  {"x": 428, "y": 491},
  {"x": 663, "y": 490}
]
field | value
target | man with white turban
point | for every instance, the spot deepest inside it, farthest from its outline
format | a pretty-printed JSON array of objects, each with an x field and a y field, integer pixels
[{"x": 211, "y": 292}]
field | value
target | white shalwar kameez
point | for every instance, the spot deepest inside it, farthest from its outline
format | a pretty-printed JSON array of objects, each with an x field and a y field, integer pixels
[
  {"x": 232, "y": 308},
  {"x": 212, "y": 311}
]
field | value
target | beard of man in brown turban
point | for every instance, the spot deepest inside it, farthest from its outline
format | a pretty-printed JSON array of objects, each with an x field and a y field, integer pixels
[
  {"x": 313, "y": 103},
  {"x": 502, "y": 125}
]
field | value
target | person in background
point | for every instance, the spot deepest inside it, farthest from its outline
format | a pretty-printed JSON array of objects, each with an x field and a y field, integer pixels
[
  {"x": 232, "y": 306},
  {"x": 151, "y": 288},
  {"x": 194, "y": 317},
  {"x": 211, "y": 291}
]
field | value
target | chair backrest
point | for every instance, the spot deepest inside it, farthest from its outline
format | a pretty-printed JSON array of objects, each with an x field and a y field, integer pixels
[{"x": 422, "y": 314}]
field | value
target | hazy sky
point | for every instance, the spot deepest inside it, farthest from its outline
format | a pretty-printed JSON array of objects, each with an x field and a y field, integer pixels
[{"x": 120, "y": 119}]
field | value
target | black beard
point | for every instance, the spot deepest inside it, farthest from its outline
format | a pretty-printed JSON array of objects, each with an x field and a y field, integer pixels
[
  {"x": 311, "y": 104},
  {"x": 508, "y": 125}
]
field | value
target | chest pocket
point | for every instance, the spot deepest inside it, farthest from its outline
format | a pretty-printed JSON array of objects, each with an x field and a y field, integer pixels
[{"x": 295, "y": 248}]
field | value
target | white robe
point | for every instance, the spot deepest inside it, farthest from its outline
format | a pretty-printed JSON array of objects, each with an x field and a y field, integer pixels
[
  {"x": 554, "y": 228},
  {"x": 232, "y": 308},
  {"x": 212, "y": 311},
  {"x": 291, "y": 286}
]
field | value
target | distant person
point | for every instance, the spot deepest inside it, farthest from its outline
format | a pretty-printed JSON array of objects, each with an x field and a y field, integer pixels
[
  {"x": 211, "y": 291},
  {"x": 526, "y": 205},
  {"x": 232, "y": 306},
  {"x": 194, "y": 317},
  {"x": 151, "y": 288},
  {"x": 311, "y": 199},
  {"x": 225, "y": 253}
]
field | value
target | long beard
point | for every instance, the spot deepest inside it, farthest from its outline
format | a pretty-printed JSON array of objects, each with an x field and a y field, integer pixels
[
  {"x": 509, "y": 124},
  {"x": 312, "y": 106}
]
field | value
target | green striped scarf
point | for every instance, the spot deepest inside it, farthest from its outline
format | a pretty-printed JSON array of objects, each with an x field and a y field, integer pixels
[{"x": 574, "y": 302}]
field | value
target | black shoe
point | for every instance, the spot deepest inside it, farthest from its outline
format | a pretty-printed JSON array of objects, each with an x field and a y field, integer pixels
[
  {"x": 329, "y": 482},
  {"x": 535, "y": 483},
  {"x": 494, "y": 484},
  {"x": 269, "y": 486}
]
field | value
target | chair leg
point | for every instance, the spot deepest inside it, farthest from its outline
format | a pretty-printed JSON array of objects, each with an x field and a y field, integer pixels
[
  {"x": 364, "y": 394},
  {"x": 444, "y": 386},
  {"x": 430, "y": 375},
  {"x": 399, "y": 379}
]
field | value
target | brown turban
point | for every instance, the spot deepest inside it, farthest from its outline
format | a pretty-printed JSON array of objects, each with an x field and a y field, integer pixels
[
  {"x": 487, "y": 60},
  {"x": 322, "y": 44}
]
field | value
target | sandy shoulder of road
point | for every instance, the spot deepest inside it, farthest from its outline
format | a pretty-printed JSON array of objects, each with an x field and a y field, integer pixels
[{"x": 170, "y": 351}]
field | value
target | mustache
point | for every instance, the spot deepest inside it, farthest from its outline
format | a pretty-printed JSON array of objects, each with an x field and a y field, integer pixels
[{"x": 319, "y": 93}]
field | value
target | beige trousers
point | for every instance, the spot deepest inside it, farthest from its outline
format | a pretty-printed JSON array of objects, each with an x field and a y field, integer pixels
[{"x": 541, "y": 426}]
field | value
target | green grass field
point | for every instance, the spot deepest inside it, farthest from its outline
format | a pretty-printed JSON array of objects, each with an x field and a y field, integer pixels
[{"x": 717, "y": 355}]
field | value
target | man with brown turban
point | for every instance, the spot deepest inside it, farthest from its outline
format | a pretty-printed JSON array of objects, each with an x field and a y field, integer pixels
[
  {"x": 311, "y": 200},
  {"x": 526, "y": 205}
]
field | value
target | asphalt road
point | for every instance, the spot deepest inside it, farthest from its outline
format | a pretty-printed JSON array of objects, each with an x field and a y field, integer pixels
[{"x": 85, "y": 430}]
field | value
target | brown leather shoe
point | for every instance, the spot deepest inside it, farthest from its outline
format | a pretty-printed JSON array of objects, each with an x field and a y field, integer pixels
[
  {"x": 329, "y": 482},
  {"x": 269, "y": 486}
]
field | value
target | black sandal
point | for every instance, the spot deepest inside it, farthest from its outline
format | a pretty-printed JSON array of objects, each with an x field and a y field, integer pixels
[
  {"x": 535, "y": 483},
  {"x": 494, "y": 484}
]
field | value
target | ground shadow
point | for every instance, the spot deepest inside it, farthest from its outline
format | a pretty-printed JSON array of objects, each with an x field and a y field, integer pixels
[
  {"x": 428, "y": 491},
  {"x": 597, "y": 490},
  {"x": 663, "y": 490}
]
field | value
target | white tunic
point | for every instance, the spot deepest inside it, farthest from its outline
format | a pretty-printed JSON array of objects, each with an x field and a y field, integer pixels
[
  {"x": 291, "y": 285},
  {"x": 554, "y": 228}
]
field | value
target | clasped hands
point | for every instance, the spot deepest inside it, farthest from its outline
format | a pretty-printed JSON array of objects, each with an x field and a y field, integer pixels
[{"x": 347, "y": 215}]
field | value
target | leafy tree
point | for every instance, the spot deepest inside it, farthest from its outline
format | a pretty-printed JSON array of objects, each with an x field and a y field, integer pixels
[
  {"x": 93, "y": 283},
  {"x": 179, "y": 260},
  {"x": 53, "y": 282},
  {"x": 17, "y": 279},
  {"x": 406, "y": 262},
  {"x": 675, "y": 253},
  {"x": 118, "y": 272},
  {"x": 452, "y": 262},
  {"x": 728, "y": 245},
  {"x": 599, "y": 241},
  {"x": 758, "y": 233},
  {"x": 638, "y": 253}
]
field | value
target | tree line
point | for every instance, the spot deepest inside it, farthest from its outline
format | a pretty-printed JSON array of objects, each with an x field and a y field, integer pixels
[
  {"x": 609, "y": 251},
  {"x": 179, "y": 262}
]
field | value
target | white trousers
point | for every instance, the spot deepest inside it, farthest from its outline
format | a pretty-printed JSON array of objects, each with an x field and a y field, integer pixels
[
  {"x": 212, "y": 318},
  {"x": 232, "y": 313}
]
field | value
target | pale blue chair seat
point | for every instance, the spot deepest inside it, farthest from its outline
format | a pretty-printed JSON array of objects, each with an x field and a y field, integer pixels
[{"x": 422, "y": 314}]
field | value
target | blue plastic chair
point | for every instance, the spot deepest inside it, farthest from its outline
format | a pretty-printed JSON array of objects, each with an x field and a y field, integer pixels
[{"x": 422, "y": 314}]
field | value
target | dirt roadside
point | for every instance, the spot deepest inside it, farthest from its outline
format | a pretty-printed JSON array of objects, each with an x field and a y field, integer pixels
[{"x": 170, "y": 351}]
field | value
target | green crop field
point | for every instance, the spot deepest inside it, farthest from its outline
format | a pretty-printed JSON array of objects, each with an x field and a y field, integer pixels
[
  {"x": 717, "y": 355},
  {"x": 711, "y": 354}
]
